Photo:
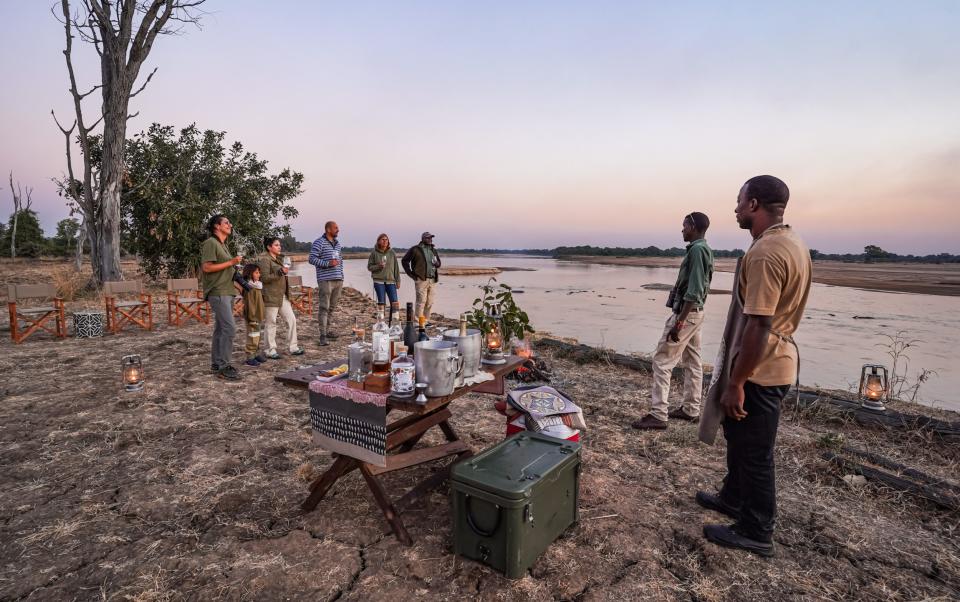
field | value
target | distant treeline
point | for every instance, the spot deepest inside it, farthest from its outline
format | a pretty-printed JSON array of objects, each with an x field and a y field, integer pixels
[
  {"x": 634, "y": 252},
  {"x": 871, "y": 253}
]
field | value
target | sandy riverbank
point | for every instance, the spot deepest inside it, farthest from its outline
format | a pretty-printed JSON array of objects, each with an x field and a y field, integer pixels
[
  {"x": 191, "y": 490},
  {"x": 924, "y": 278}
]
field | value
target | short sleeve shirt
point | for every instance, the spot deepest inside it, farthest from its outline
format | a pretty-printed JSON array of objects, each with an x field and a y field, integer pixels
[
  {"x": 216, "y": 284},
  {"x": 775, "y": 281}
]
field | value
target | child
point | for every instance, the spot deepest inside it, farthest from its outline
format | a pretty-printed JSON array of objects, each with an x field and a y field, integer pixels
[{"x": 253, "y": 313}]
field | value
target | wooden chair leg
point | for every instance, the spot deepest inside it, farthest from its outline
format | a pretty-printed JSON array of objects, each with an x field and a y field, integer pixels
[
  {"x": 62, "y": 321},
  {"x": 389, "y": 511},
  {"x": 14, "y": 322}
]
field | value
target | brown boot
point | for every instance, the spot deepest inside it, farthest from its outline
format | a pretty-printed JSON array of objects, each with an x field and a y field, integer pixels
[
  {"x": 679, "y": 414},
  {"x": 650, "y": 423}
]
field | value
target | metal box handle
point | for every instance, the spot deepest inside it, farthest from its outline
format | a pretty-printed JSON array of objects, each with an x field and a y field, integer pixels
[{"x": 473, "y": 523}]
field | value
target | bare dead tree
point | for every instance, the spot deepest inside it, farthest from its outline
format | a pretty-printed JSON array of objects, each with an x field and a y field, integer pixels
[
  {"x": 122, "y": 32},
  {"x": 18, "y": 206}
]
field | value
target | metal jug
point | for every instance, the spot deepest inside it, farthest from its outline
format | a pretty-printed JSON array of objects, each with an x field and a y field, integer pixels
[
  {"x": 438, "y": 363},
  {"x": 470, "y": 346}
]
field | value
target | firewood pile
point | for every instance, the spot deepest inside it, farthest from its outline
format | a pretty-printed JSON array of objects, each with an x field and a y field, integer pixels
[{"x": 533, "y": 369}]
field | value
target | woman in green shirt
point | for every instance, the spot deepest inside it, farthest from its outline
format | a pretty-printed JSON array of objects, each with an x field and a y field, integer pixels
[{"x": 385, "y": 270}]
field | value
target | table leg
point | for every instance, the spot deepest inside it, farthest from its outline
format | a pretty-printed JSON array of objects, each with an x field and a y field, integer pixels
[
  {"x": 318, "y": 489},
  {"x": 448, "y": 431},
  {"x": 389, "y": 511}
]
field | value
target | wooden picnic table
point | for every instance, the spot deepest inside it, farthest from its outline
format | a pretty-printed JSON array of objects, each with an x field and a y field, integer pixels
[{"x": 403, "y": 435}]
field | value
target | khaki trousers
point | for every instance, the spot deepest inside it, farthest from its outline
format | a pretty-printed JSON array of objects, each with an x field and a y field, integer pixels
[
  {"x": 425, "y": 296},
  {"x": 668, "y": 354},
  {"x": 270, "y": 326},
  {"x": 253, "y": 339},
  {"x": 328, "y": 295}
]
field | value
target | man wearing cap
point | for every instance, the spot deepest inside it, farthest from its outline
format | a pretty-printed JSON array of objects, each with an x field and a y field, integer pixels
[
  {"x": 422, "y": 263},
  {"x": 680, "y": 342}
]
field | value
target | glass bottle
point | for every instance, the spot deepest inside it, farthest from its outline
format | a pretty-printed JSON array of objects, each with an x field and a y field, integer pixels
[
  {"x": 396, "y": 334},
  {"x": 422, "y": 330},
  {"x": 409, "y": 330},
  {"x": 463, "y": 325},
  {"x": 356, "y": 356},
  {"x": 381, "y": 345},
  {"x": 402, "y": 374}
]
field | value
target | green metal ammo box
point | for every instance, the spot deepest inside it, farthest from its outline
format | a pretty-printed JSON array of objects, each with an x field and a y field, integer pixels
[{"x": 513, "y": 500}]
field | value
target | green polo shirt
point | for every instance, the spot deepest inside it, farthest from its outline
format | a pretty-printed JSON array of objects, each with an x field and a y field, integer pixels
[
  {"x": 216, "y": 284},
  {"x": 696, "y": 272}
]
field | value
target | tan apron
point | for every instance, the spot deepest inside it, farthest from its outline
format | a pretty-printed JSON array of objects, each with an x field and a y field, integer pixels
[{"x": 711, "y": 416}]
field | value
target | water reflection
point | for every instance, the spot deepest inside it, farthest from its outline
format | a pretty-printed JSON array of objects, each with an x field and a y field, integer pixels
[{"x": 606, "y": 305}]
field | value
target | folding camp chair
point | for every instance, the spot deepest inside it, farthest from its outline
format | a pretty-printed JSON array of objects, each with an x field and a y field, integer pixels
[
  {"x": 121, "y": 312},
  {"x": 301, "y": 297},
  {"x": 35, "y": 318},
  {"x": 185, "y": 301},
  {"x": 238, "y": 305}
]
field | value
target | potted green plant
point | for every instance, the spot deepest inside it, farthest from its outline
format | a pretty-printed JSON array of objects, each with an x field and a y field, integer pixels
[{"x": 514, "y": 321}]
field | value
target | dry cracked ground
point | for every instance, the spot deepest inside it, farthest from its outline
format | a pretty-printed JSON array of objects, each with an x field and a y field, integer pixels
[{"x": 191, "y": 491}]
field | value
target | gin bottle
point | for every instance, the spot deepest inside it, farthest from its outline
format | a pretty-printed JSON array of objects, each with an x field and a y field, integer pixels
[{"x": 381, "y": 345}]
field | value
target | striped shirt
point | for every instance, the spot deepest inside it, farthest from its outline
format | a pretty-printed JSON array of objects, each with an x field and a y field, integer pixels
[{"x": 321, "y": 253}]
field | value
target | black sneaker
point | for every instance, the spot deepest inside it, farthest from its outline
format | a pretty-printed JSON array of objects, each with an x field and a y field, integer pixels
[
  {"x": 333, "y": 336},
  {"x": 649, "y": 423},
  {"x": 680, "y": 414},
  {"x": 727, "y": 537},
  {"x": 716, "y": 503},
  {"x": 214, "y": 368},
  {"x": 261, "y": 359},
  {"x": 252, "y": 362},
  {"x": 228, "y": 372}
]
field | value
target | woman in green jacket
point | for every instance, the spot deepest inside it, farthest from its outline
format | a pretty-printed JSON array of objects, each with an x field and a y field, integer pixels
[
  {"x": 276, "y": 298},
  {"x": 385, "y": 270}
]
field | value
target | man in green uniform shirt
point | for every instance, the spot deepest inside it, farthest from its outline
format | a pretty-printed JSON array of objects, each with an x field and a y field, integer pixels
[
  {"x": 216, "y": 265},
  {"x": 680, "y": 342}
]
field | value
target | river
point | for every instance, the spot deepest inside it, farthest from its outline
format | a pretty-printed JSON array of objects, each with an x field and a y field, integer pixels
[{"x": 606, "y": 305}]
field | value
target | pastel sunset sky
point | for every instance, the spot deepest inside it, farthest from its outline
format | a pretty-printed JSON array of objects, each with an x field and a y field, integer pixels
[{"x": 537, "y": 124}]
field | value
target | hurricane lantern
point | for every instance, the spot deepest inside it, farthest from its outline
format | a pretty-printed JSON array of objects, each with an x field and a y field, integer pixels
[
  {"x": 132, "y": 373},
  {"x": 873, "y": 387},
  {"x": 493, "y": 339}
]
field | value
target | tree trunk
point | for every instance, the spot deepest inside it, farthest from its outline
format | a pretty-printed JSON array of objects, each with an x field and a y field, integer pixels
[
  {"x": 13, "y": 234},
  {"x": 116, "y": 99}
]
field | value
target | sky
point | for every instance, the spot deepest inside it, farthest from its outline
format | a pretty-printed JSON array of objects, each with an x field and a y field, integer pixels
[{"x": 537, "y": 124}]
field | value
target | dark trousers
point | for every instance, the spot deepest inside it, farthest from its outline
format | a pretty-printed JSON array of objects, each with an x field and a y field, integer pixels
[{"x": 750, "y": 483}]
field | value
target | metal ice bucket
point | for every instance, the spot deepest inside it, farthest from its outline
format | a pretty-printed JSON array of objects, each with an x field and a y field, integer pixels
[
  {"x": 470, "y": 346},
  {"x": 438, "y": 363}
]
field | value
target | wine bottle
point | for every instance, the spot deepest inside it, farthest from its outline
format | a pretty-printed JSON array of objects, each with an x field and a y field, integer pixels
[
  {"x": 422, "y": 331},
  {"x": 409, "y": 330}
]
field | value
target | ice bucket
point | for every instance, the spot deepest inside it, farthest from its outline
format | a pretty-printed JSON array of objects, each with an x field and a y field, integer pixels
[
  {"x": 469, "y": 348},
  {"x": 438, "y": 363}
]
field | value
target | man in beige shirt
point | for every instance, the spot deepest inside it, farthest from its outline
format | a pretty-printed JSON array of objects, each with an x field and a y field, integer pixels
[{"x": 773, "y": 285}]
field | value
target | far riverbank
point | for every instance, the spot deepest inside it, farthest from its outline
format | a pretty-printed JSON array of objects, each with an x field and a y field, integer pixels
[{"x": 922, "y": 278}]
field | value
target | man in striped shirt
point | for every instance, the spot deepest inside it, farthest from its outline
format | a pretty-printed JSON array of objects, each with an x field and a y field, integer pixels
[{"x": 326, "y": 256}]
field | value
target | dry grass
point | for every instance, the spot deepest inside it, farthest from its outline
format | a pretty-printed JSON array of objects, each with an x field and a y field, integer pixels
[
  {"x": 69, "y": 282},
  {"x": 191, "y": 490}
]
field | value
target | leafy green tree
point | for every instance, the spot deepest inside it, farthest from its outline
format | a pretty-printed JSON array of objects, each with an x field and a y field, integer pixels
[
  {"x": 65, "y": 240},
  {"x": 174, "y": 183},
  {"x": 873, "y": 252},
  {"x": 30, "y": 241}
]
